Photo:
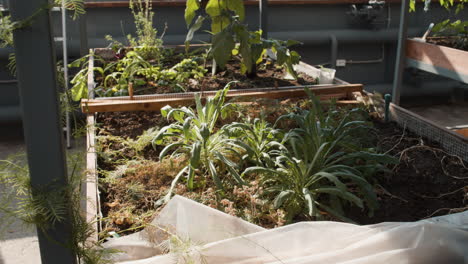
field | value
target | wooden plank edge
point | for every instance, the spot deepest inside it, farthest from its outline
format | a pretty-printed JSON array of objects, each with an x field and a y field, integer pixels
[
  {"x": 461, "y": 131},
  {"x": 91, "y": 83},
  {"x": 182, "y": 3},
  {"x": 447, "y": 58},
  {"x": 427, "y": 121},
  {"x": 93, "y": 106},
  {"x": 90, "y": 182}
]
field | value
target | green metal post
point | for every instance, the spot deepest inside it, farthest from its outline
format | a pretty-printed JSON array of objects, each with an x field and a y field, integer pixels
[
  {"x": 83, "y": 26},
  {"x": 37, "y": 81},
  {"x": 401, "y": 52},
  {"x": 388, "y": 99},
  {"x": 263, "y": 19}
]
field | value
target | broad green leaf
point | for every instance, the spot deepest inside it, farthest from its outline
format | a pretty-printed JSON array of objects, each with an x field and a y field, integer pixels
[
  {"x": 79, "y": 91},
  {"x": 214, "y": 7},
  {"x": 165, "y": 110},
  {"x": 190, "y": 176},
  {"x": 173, "y": 184},
  {"x": 195, "y": 154},
  {"x": 214, "y": 175},
  {"x": 219, "y": 23},
  {"x": 194, "y": 28},
  {"x": 238, "y": 7},
  {"x": 186, "y": 127},
  {"x": 258, "y": 169},
  {"x": 166, "y": 149},
  {"x": 223, "y": 43},
  {"x": 310, "y": 202},
  {"x": 281, "y": 198},
  {"x": 291, "y": 42},
  {"x": 190, "y": 11}
]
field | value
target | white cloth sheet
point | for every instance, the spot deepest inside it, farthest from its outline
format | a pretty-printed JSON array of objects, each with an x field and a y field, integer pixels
[{"x": 200, "y": 234}]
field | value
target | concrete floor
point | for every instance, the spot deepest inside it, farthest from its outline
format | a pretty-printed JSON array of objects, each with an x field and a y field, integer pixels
[{"x": 19, "y": 243}]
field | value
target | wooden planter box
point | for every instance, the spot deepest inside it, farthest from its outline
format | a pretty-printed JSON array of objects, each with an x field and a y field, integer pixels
[
  {"x": 454, "y": 142},
  {"x": 339, "y": 89},
  {"x": 440, "y": 60},
  {"x": 91, "y": 192}
]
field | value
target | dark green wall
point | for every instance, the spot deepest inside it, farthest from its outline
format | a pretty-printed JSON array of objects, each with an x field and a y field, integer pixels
[{"x": 312, "y": 24}]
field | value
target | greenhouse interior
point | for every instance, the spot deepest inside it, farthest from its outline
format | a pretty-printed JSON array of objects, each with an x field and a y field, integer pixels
[{"x": 232, "y": 131}]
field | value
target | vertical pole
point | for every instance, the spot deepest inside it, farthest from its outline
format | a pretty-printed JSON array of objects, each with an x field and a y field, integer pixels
[
  {"x": 83, "y": 26},
  {"x": 388, "y": 99},
  {"x": 263, "y": 19},
  {"x": 65, "y": 71},
  {"x": 401, "y": 52},
  {"x": 37, "y": 81}
]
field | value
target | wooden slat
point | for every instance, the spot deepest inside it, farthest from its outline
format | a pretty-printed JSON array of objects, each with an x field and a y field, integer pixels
[
  {"x": 91, "y": 83},
  {"x": 95, "y": 4},
  {"x": 394, "y": 109},
  {"x": 103, "y": 105},
  {"x": 463, "y": 132},
  {"x": 444, "y": 57},
  {"x": 90, "y": 184}
]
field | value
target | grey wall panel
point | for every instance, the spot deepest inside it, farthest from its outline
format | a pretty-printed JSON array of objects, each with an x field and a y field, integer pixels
[{"x": 311, "y": 23}]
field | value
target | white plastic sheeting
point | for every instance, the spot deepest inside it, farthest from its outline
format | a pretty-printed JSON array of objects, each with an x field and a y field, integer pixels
[{"x": 200, "y": 234}]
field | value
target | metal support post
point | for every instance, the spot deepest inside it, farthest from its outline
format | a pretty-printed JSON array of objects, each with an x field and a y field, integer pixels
[
  {"x": 263, "y": 19},
  {"x": 37, "y": 81},
  {"x": 401, "y": 52}
]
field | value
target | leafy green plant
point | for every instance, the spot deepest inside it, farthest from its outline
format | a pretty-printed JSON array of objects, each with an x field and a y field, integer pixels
[
  {"x": 49, "y": 205},
  {"x": 147, "y": 43},
  {"x": 314, "y": 172},
  {"x": 175, "y": 76},
  {"x": 79, "y": 89},
  {"x": 7, "y": 26},
  {"x": 231, "y": 36},
  {"x": 122, "y": 73},
  {"x": 210, "y": 152},
  {"x": 447, "y": 4},
  {"x": 258, "y": 138},
  {"x": 457, "y": 29}
]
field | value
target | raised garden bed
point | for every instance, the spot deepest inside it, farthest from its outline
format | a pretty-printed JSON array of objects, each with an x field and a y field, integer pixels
[
  {"x": 437, "y": 59},
  {"x": 260, "y": 87},
  {"x": 427, "y": 182}
]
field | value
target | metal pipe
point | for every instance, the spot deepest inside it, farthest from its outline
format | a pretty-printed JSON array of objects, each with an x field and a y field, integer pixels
[
  {"x": 309, "y": 37},
  {"x": 334, "y": 50},
  {"x": 36, "y": 71},
  {"x": 401, "y": 52},
  {"x": 263, "y": 19},
  {"x": 65, "y": 70},
  {"x": 83, "y": 27}
]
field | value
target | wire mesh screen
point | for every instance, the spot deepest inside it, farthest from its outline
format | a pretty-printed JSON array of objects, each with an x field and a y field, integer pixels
[{"x": 453, "y": 143}]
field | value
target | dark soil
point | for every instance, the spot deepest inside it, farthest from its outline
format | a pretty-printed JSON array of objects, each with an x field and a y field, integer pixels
[
  {"x": 267, "y": 77},
  {"x": 129, "y": 124},
  {"x": 427, "y": 182},
  {"x": 450, "y": 41}
]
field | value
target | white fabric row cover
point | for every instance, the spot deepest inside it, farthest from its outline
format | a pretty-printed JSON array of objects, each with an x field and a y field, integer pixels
[{"x": 188, "y": 232}]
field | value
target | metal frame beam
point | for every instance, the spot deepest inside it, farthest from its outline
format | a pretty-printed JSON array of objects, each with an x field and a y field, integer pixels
[
  {"x": 263, "y": 17},
  {"x": 37, "y": 81},
  {"x": 401, "y": 52}
]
